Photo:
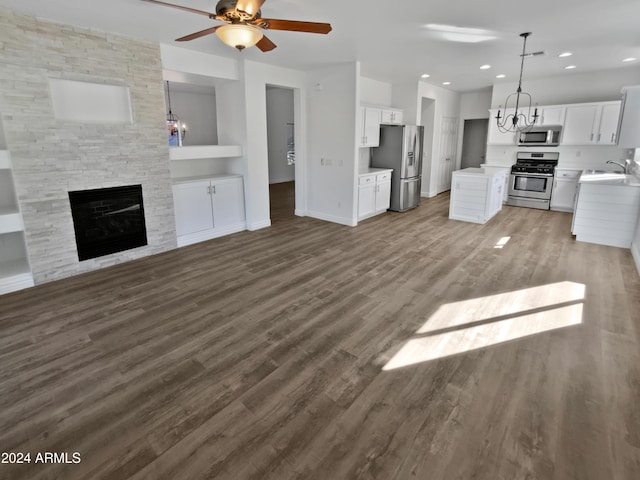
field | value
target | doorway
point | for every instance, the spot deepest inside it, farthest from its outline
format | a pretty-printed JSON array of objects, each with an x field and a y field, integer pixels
[
  {"x": 281, "y": 152},
  {"x": 474, "y": 142}
]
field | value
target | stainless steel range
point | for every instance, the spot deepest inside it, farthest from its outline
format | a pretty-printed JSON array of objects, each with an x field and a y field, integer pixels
[{"x": 531, "y": 179}]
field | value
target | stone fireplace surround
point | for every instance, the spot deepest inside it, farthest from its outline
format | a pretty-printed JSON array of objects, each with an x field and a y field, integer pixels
[{"x": 52, "y": 157}]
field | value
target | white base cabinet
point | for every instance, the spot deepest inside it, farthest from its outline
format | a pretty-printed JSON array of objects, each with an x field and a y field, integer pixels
[
  {"x": 374, "y": 193},
  {"x": 606, "y": 214},
  {"x": 208, "y": 208},
  {"x": 476, "y": 194},
  {"x": 565, "y": 189}
]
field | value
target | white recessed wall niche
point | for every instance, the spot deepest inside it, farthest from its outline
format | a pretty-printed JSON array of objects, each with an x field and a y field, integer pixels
[{"x": 90, "y": 102}]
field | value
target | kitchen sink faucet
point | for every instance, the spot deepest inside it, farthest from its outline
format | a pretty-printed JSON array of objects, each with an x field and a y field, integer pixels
[{"x": 624, "y": 167}]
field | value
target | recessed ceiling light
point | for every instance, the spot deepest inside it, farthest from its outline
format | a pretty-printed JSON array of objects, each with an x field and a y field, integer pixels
[
  {"x": 425, "y": 75},
  {"x": 630, "y": 59},
  {"x": 569, "y": 67},
  {"x": 485, "y": 67},
  {"x": 565, "y": 54},
  {"x": 446, "y": 83},
  {"x": 502, "y": 75}
]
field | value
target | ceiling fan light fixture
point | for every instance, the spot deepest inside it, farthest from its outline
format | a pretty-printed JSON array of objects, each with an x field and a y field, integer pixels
[{"x": 239, "y": 36}]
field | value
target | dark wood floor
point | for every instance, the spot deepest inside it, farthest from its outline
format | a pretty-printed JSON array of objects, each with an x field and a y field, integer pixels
[{"x": 278, "y": 354}]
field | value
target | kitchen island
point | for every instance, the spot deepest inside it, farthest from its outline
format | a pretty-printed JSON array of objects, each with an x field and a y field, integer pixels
[
  {"x": 607, "y": 208},
  {"x": 476, "y": 194}
]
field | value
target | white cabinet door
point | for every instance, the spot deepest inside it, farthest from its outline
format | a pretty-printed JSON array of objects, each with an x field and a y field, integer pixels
[
  {"x": 579, "y": 124},
  {"x": 366, "y": 200},
  {"x": 228, "y": 202},
  {"x": 495, "y": 137},
  {"x": 393, "y": 117},
  {"x": 370, "y": 126},
  {"x": 563, "y": 195},
  {"x": 192, "y": 203},
  {"x": 551, "y": 116},
  {"x": 383, "y": 196},
  {"x": 608, "y": 124}
]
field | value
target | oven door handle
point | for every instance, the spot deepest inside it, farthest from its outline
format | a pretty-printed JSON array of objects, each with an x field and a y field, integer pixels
[{"x": 538, "y": 175}]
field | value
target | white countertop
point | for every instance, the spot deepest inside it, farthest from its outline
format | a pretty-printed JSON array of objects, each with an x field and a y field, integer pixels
[
  {"x": 489, "y": 171},
  {"x": 600, "y": 177},
  {"x": 368, "y": 171}
]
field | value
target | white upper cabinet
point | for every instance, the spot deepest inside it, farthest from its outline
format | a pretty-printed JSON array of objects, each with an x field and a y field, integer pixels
[
  {"x": 553, "y": 115},
  {"x": 580, "y": 124},
  {"x": 591, "y": 124},
  {"x": 370, "y": 126},
  {"x": 391, "y": 116},
  {"x": 495, "y": 136},
  {"x": 609, "y": 124}
]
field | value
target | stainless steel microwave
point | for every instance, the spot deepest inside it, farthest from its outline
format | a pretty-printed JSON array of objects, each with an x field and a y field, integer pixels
[{"x": 547, "y": 136}]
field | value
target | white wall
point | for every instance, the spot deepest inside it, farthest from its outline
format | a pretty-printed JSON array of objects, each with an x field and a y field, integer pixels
[
  {"x": 375, "y": 92},
  {"x": 280, "y": 115},
  {"x": 571, "y": 88},
  {"x": 197, "y": 110},
  {"x": 333, "y": 98},
  {"x": 473, "y": 106},
  {"x": 447, "y": 104},
  {"x": 256, "y": 78}
]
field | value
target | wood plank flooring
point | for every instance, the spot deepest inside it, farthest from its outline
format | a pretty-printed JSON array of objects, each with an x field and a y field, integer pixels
[{"x": 301, "y": 351}]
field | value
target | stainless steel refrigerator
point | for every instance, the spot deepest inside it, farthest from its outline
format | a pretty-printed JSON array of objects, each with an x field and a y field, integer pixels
[{"x": 401, "y": 149}]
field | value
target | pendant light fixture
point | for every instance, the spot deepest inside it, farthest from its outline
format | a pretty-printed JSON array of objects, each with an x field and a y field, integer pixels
[
  {"x": 521, "y": 119},
  {"x": 176, "y": 130}
]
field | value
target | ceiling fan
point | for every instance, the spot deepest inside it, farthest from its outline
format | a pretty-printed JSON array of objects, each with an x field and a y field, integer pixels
[{"x": 245, "y": 24}]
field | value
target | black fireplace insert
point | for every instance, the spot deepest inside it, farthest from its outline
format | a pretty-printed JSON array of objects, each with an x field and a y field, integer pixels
[{"x": 108, "y": 220}]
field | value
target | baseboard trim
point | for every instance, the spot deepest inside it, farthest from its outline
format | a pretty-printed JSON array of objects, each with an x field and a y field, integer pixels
[
  {"x": 299, "y": 213},
  {"x": 635, "y": 253},
  {"x": 259, "y": 225},
  {"x": 349, "y": 222},
  {"x": 184, "y": 240}
]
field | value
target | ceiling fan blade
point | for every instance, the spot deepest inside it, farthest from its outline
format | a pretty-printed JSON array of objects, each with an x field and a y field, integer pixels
[
  {"x": 294, "y": 26},
  {"x": 250, "y": 7},
  {"x": 186, "y": 9},
  {"x": 199, "y": 34},
  {"x": 265, "y": 44}
]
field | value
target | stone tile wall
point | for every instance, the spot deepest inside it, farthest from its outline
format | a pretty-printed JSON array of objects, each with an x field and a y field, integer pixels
[{"x": 51, "y": 158}]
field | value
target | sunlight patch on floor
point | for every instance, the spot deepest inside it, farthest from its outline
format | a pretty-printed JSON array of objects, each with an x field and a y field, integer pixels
[
  {"x": 502, "y": 242},
  {"x": 469, "y": 325}
]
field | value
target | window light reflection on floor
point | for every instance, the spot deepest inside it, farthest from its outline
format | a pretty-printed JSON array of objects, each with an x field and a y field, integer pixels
[
  {"x": 502, "y": 242},
  {"x": 469, "y": 325}
]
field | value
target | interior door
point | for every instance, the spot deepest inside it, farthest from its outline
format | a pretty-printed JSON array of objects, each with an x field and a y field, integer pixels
[{"x": 447, "y": 154}]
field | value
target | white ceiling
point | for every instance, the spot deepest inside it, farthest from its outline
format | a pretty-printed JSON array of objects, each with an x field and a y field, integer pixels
[{"x": 391, "y": 39}]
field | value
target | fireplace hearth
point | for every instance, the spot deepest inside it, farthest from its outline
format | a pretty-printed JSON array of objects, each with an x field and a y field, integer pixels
[{"x": 108, "y": 220}]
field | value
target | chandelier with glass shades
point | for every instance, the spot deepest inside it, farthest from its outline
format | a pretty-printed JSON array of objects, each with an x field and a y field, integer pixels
[{"x": 521, "y": 119}]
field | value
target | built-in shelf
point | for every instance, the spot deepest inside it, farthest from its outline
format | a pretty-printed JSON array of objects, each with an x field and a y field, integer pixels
[
  {"x": 5, "y": 159},
  {"x": 10, "y": 222},
  {"x": 15, "y": 273},
  {"x": 204, "y": 151}
]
